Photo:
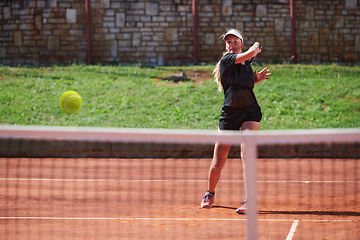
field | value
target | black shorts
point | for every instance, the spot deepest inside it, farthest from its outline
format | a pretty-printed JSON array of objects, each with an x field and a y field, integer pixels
[{"x": 230, "y": 120}]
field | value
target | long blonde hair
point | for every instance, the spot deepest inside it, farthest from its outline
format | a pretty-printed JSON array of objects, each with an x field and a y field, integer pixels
[
  {"x": 216, "y": 74},
  {"x": 216, "y": 71}
]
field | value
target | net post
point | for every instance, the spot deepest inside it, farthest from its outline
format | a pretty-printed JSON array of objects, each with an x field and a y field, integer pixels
[{"x": 250, "y": 154}]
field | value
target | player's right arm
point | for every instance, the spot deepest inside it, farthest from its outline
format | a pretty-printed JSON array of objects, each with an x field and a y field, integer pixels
[{"x": 251, "y": 52}]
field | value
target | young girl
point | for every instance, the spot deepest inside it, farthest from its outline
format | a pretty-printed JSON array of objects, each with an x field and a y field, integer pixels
[{"x": 234, "y": 74}]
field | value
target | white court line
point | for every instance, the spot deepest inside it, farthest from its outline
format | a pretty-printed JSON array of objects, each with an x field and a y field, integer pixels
[
  {"x": 172, "y": 219},
  {"x": 124, "y": 218},
  {"x": 159, "y": 180},
  {"x": 305, "y": 181},
  {"x": 292, "y": 230},
  {"x": 99, "y": 180}
]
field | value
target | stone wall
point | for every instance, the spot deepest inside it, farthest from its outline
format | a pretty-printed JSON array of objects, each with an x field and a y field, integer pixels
[{"x": 41, "y": 32}]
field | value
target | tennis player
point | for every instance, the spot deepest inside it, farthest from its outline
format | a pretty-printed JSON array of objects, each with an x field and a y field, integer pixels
[{"x": 241, "y": 111}]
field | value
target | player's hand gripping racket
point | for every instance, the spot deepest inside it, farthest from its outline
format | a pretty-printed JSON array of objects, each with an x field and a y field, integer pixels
[{"x": 251, "y": 60}]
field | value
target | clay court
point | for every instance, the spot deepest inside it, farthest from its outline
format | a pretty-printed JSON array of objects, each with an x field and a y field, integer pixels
[{"x": 90, "y": 198}]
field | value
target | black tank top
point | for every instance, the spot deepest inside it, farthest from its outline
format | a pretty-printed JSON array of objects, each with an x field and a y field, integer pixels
[{"x": 238, "y": 82}]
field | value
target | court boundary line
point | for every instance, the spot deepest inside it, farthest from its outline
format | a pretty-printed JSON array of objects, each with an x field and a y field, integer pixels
[
  {"x": 161, "y": 180},
  {"x": 175, "y": 219},
  {"x": 292, "y": 230}
]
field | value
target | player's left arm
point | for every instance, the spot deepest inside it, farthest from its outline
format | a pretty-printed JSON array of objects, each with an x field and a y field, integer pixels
[{"x": 262, "y": 75}]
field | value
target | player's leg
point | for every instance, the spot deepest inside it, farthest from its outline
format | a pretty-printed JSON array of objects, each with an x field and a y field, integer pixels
[
  {"x": 221, "y": 152},
  {"x": 249, "y": 125}
]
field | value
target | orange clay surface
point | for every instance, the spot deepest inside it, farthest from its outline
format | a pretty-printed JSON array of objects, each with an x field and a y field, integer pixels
[{"x": 160, "y": 199}]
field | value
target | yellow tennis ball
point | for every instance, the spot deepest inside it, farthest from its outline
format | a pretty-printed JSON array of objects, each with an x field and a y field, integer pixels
[{"x": 70, "y": 102}]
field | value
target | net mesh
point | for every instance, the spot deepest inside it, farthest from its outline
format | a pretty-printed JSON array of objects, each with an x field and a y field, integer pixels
[{"x": 132, "y": 184}]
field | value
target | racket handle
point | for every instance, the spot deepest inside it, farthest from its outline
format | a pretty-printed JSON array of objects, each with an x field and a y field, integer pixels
[{"x": 253, "y": 58}]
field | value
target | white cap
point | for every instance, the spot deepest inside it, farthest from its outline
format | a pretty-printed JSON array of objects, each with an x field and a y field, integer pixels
[{"x": 233, "y": 32}]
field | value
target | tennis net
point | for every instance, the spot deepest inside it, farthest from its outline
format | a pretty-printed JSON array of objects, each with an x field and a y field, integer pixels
[{"x": 109, "y": 183}]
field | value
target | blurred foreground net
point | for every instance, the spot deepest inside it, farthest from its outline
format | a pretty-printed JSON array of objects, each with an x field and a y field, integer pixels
[{"x": 91, "y": 183}]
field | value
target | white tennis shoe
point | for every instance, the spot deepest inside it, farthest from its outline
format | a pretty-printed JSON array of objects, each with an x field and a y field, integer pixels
[
  {"x": 242, "y": 208},
  {"x": 207, "y": 201}
]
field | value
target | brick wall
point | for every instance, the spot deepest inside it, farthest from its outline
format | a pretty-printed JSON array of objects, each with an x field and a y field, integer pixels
[{"x": 40, "y": 32}]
